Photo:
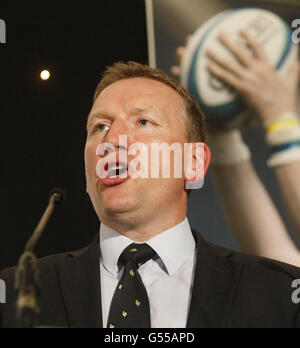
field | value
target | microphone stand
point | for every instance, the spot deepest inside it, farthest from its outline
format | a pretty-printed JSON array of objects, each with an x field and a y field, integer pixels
[{"x": 27, "y": 273}]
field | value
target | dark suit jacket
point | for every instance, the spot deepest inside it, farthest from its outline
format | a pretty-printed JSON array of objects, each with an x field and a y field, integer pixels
[{"x": 230, "y": 289}]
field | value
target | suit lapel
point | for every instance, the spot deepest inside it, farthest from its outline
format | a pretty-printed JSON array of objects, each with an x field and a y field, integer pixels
[
  {"x": 215, "y": 283},
  {"x": 79, "y": 279}
]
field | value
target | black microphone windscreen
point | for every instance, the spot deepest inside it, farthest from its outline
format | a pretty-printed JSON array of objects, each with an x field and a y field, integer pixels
[{"x": 62, "y": 195}]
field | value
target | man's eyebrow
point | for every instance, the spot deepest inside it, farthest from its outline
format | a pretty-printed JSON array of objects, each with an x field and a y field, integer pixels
[
  {"x": 137, "y": 110},
  {"x": 146, "y": 110},
  {"x": 98, "y": 114}
]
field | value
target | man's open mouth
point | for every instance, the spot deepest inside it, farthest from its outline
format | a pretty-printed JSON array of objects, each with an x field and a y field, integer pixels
[{"x": 115, "y": 169}]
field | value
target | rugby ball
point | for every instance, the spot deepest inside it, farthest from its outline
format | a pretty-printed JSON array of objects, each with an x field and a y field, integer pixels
[{"x": 218, "y": 101}]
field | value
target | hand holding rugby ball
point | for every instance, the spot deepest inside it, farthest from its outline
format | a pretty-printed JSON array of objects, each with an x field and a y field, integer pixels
[{"x": 220, "y": 102}]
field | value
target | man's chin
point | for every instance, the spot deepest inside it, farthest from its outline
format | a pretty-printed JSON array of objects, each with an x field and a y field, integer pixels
[{"x": 118, "y": 203}]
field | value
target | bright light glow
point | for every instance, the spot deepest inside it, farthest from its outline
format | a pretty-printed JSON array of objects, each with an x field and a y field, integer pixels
[{"x": 45, "y": 75}]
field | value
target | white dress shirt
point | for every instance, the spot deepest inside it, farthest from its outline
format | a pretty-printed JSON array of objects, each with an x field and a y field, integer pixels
[{"x": 168, "y": 279}]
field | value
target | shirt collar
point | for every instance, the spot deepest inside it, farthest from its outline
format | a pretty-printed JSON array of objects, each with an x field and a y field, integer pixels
[{"x": 112, "y": 243}]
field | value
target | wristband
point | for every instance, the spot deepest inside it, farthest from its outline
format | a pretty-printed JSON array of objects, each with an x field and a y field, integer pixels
[
  {"x": 284, "y": 116},
  {"x": 284, "y": 124},
  {"x": 228, "y": 148},
  {"x": 283, "y": 137},
  {"x": 284, "y": 157},
  {"x": 284, "y": 147}
]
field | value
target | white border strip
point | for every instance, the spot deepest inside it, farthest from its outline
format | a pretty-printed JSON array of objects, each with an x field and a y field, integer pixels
[{"x": 150, "y": 33}]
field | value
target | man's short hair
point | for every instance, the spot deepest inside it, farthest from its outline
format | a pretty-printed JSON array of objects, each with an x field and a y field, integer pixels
[{"x": 195, "y": 120}]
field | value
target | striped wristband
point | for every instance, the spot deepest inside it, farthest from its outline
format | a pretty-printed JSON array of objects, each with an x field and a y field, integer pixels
[{"x": 283, "y": 138}]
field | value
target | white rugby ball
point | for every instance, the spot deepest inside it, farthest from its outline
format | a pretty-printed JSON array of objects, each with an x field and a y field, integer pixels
[{"x": 218, "y": 101}]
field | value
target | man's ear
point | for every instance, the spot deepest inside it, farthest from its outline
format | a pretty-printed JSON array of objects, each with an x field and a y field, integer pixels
[
  {"x": 197, "y": 169},
  {"x": 207, "y": 159}
]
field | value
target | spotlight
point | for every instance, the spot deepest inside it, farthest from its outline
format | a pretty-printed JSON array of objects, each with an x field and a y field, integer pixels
[{"x": 45, "y": 75}]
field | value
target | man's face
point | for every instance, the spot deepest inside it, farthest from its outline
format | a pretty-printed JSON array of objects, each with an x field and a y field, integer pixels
[{"x": 147, "y": 111}]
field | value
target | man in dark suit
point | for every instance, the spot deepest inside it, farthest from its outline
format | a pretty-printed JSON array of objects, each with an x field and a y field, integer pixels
[{"x": 146, "y": 267}]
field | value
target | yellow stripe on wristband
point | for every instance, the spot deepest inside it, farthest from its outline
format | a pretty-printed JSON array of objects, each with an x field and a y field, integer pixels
[{"x": 283, "y": 125}]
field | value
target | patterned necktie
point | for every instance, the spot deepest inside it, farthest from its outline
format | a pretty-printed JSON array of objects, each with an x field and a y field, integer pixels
[{"x": 130, "y": 304}]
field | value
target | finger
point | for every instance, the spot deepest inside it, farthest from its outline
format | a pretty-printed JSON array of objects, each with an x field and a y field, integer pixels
[
  {"x": 225, "y": 76},
  {"x": 240, "y": 53},
  {"x": 188, "y": 39},
  {"x": 179, "y": 53},
  {"x": 233, "y": 67},
  {"x": 255, "y": 46},
  {"x": 175, "y": 70}
]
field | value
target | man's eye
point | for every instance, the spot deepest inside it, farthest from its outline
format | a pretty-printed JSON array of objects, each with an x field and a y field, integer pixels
[
  {"x": 144, "y": 122},
  {"x": 100, "y": 127}
]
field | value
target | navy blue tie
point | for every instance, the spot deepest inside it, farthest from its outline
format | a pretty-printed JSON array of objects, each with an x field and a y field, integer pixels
[{"x": 130, "y": 304}]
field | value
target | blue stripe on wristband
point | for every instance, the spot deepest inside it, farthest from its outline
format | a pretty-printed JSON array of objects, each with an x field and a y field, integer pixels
[{"x": 283, "y": 147}]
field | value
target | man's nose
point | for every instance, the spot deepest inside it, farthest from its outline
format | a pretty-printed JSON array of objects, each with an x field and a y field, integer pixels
[{"x": 117, "y": 129}]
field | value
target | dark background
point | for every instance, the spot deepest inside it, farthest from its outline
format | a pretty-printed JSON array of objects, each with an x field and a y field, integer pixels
[{"x": 43, "y": 123}]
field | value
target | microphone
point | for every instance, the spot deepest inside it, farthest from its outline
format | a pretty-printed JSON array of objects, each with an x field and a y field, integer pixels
[
  {"x": 27, "y": 273},
  {"x": 60, "y": 197}
]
